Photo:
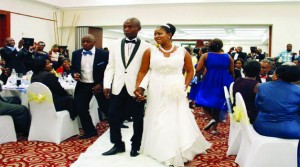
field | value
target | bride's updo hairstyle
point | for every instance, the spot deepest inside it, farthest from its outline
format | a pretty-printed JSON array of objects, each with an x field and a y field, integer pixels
[
  {"x": 169, "y": 28},
  {"x": 215, "y": 45}
]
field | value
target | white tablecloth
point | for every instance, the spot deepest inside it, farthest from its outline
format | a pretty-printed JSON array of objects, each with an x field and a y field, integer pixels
[{"x": 9, "y": 91}]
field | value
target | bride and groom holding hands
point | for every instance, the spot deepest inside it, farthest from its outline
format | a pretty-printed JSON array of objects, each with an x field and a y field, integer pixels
[{"x": 167, "y": 130}]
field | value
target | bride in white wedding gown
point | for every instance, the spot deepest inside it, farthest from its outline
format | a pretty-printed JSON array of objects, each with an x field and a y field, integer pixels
[{"x": 171, "y": 134}]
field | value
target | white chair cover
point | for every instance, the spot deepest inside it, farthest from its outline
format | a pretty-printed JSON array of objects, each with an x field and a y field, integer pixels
[
  {"x": 262, "y": 151},
  {"x": 7, "y": 129},
  {"x": 93, "y": 112},
  {"x": 231, "y": 92},
  {"x": 93, "y": 106},
  {"x": 47, "y": 124},
  {"x": 235, "y": 136}
]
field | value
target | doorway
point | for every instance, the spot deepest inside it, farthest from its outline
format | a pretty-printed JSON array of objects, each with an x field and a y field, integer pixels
[{"x": 4, "y": 26}]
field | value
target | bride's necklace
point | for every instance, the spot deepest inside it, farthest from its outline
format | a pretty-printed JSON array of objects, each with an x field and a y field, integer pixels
[{"x": 166, "y": 51}]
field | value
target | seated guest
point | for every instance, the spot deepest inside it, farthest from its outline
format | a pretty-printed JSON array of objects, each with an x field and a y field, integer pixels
[
  {"x": 4, "y": 72},
  {"x": 238, "y": 68},
  {"x": 265, "y": 67},
  {"x": 65, "y": 66},
  {"x": 293, "y": 64},
  {"x": 11, "y": 106},
  {"x": 41, "y": 73},
  {"x": 247, "y": 86},
  {"x": 278, "y": 103},
  {"x": 63, "y": 51}
]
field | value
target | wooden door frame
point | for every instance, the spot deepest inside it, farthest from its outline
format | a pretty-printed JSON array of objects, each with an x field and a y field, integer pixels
[{"x": 5, "y": 21}]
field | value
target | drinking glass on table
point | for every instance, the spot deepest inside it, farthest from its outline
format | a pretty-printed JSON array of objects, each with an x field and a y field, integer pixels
[{"x": 65, "y": 75}]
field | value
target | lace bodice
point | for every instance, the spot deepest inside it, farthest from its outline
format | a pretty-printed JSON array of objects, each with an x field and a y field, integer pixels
[
  {"x": 168, "y": 71},
  {"x": 167, "y": 65}
]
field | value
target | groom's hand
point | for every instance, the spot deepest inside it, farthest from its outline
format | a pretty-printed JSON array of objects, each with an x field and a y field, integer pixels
[
  {"x": 97, "y": 89},
  {"x": 106, "y": 93},
  {"x": 139, "y": 94}
]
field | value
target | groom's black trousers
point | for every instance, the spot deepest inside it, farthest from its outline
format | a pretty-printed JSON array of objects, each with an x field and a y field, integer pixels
[{"x": 117, "y": 109}]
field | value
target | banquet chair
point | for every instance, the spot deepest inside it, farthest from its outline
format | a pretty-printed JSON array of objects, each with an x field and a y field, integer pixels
[
  {"x": 47, "y": 124},
  {"x": 231, "y": 92},
  {"x": 235, "y": 136},
  {"x": 262, "y": 151},
  {"x": 7, "y": 129},
  {"x": 93, "y": 112}
]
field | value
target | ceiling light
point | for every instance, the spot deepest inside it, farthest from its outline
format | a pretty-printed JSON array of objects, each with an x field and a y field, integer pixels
[
  {"x": 249, "y": 29},
  {"x": 202, "y": 29}
]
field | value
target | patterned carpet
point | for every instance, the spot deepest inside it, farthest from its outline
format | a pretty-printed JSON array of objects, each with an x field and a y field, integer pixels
[{"x": 41, "y": 154}]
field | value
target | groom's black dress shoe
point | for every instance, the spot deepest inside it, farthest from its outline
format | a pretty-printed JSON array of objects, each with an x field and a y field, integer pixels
[
  {"x": 87, "y": 136},
  {"x": 123, "y": 126},
  {"x": 134, "y": 153},
  {"x": 115, "y": 150}
]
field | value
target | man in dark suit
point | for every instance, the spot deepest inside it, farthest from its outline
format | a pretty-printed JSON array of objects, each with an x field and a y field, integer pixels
[
  {"x": 25, "y": 55},
  {"x": 88, "y": 66},
  {"x": 239, "y": 54},
  {"x": 9, "y": 55},
  {"x": 261, "y": 55}
]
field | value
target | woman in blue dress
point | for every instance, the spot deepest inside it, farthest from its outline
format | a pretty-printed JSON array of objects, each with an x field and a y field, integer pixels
[
  {"x": 195, "y": 85},
  {"x": 278, "y": 103},
  {"x": 219, "y": 73}
]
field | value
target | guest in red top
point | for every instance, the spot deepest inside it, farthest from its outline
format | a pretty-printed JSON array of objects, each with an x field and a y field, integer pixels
[{"x": 65, "y": 67}]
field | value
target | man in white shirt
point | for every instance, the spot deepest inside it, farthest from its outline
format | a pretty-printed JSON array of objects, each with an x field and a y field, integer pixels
[
  {"x": 88, "y": 66},
  {"x": 238, "y": 54}
]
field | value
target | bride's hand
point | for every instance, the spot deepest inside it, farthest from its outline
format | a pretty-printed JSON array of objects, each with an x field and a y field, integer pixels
[{"x": 139, "y": 94}]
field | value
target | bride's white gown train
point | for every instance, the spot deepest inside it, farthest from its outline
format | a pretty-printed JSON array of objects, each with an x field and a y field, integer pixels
[{"x": 171, "y": 134}]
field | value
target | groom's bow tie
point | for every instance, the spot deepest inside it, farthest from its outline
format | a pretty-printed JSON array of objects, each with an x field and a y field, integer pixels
[
  {"x": 87, "y": 53},
  {"x": 130, "y": 41}
]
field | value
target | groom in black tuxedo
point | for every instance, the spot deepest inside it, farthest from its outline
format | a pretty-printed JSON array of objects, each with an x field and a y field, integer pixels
[{"x": 88, "y": 66}]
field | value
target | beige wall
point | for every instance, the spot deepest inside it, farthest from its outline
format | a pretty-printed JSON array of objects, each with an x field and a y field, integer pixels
[
  {"x": 24, "y": 26},
  {"x": 283, "y": 17}
]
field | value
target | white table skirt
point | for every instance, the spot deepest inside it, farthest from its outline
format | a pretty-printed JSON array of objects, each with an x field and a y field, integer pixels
[{"x": 17, "y": 92}]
